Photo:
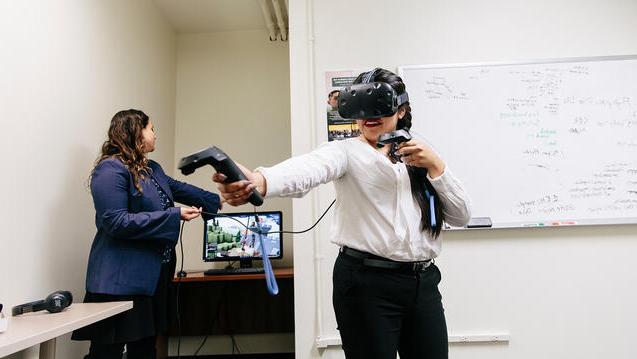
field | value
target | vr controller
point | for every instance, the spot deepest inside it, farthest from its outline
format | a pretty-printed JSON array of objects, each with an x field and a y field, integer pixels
[
  {"x": 394, "y": 138},
  {"x": 222, "y": 163},
  {"x": 398, "y": 136}
]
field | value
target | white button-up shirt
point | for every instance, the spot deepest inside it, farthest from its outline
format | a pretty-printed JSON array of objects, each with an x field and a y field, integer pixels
[{"x": 375, "y": 211}]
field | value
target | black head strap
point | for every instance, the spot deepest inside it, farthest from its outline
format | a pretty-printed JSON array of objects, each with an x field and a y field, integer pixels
[
  {"x": 403, "y": 98},
  {"x": 368, "y": 77}
]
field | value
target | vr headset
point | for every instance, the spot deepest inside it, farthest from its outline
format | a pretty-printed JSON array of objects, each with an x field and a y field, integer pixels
[{"x": 369, "y": 99}]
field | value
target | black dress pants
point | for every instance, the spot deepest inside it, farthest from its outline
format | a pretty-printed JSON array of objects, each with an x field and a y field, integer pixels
[
  {"x": 140, "y": 349},
  {"x": 381, "y": 312}
]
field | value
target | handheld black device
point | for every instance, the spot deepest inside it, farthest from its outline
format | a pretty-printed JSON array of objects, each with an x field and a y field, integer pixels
[
  {"x": 54, "y": 303},
  {"x": 393, "y": 138},
  {"x": 397, "y": 137},
  {"x": 222, "y": 163}
]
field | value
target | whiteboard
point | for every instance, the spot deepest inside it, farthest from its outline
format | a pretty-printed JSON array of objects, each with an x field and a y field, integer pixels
[{"x": 537, "y": 143}]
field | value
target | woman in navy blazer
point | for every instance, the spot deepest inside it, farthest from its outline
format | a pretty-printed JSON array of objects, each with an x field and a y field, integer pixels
[{"x": 133, "y": 256}]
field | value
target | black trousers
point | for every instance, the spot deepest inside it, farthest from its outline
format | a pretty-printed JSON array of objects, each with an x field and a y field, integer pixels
[
  {"x": 140, "y": 349},
  {"x": 381, "y": 312}
]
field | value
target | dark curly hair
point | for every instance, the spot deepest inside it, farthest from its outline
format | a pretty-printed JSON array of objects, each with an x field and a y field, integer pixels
[{"x": 125, "y": 141}]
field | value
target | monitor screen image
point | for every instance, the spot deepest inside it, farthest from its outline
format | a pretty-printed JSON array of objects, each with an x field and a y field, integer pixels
[{"x": 226, "y": 239}]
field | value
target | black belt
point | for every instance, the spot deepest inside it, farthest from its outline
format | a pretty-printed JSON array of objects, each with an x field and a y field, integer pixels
[{"x": 371, "y": 260}]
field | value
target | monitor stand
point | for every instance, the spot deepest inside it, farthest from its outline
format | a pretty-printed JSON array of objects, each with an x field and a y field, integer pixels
[
  {"x": 245, "y": 267},
  {"x": 245, "y": 263}
]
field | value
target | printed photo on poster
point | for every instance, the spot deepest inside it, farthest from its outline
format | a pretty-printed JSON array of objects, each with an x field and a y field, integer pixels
[{"x": 338, "y": 128}]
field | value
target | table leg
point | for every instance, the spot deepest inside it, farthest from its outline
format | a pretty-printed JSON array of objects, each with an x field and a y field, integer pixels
[{"x": 47, "y": 349}]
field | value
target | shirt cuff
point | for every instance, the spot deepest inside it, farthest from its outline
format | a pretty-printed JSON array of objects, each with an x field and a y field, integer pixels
[
  {"x": 443, "y": 183},
  {"x": 274, "y": 185}
]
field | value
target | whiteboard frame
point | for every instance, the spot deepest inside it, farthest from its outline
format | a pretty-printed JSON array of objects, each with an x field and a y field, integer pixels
[
  {"x": 534, "y": 224},
  {"x": 402, "y": 68},
  {"x": 552, "y": 224}
]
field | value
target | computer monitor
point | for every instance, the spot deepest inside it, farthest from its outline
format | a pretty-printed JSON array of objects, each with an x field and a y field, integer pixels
[{"x": 226, "y": 237}]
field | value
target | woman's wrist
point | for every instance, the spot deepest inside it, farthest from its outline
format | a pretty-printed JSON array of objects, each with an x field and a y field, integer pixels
[
  {"x": 437, "y": 169},
  {"x": 260, "y": 182}
]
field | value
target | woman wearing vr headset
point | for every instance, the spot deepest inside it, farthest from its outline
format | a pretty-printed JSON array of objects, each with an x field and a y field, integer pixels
[
  {"x": 391, "y": 203},
  {"x": 132, "y": 257}
]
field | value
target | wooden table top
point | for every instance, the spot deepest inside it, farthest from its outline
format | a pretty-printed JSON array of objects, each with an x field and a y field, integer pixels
[
  {"x": 199, "y": 276},
  {"x": 34, "y": 328}
]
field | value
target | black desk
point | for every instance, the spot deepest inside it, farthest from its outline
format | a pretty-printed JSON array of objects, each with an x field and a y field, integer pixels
[{"x": 234, "y": 304}]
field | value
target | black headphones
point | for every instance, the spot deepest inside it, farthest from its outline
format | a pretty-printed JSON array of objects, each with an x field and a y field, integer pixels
[{"x": 54, "y": 303}]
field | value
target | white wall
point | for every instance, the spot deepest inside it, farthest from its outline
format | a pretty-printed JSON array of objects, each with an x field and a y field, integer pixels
[
  {"x": 233, "y": 92},
  {"x": 66, "y": 67},
  {"x": 558, "y": 292}
]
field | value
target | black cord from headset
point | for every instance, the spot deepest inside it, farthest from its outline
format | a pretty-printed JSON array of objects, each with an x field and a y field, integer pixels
[
  {"x": 179, "y": 276},
  {"x": 235, "y": 345},
  {"x": 216, "y": 315},
  {"x": 231, "y": 330},
  {"x": 287, "y": 232}
]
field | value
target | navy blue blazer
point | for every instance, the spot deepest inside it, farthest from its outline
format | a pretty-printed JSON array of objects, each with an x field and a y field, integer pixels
[{"x": 133, "y": 229}]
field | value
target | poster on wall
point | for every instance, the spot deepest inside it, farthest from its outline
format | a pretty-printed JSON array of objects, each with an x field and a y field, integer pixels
[{"x": 338, "y": 128}]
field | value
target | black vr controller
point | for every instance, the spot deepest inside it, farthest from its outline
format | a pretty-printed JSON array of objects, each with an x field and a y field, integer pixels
[
  {"x": 222, "y": 163},
  {"x": 397, "y": 137},
  {"x": 394, "y": 138}
]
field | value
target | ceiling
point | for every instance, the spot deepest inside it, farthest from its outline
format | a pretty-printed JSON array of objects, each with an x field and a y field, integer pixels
[{"x": 200, "y": 16}]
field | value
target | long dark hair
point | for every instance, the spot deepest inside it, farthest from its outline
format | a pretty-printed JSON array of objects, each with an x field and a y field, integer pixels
[
  {"x": 417, "y": 175},
  {"x": 125, "y": 141}
]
